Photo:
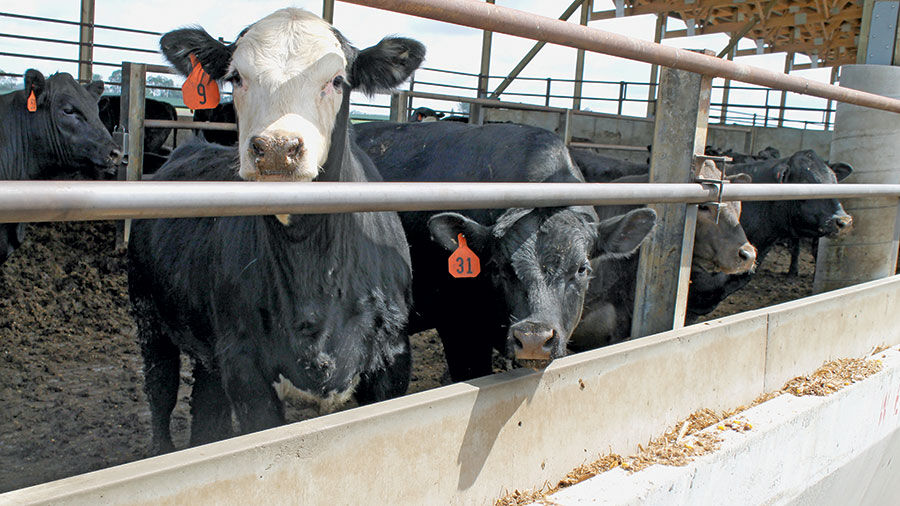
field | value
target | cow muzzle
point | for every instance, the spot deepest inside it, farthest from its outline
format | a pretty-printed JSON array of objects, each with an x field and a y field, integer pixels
[
  {"x": 533, "y": 343},
  {"x": 840, "y": 224},
  {"x": 277, "y": 158}
]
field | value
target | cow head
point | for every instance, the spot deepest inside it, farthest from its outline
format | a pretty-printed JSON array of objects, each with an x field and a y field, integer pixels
[
  {"x": 819, "y": 217},
  {"x": 290, "y": 72},
  {"x": 66, "y": 134},
  {"x": 721, "y": 245},
  {"x": 540, "y": 259}
]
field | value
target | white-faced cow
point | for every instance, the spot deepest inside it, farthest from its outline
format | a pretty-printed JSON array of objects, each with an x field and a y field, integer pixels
[
  {"x": 61, "y": 138},
  {"x": 536, "y": 263},
  {"x": 312, "y": 305}
]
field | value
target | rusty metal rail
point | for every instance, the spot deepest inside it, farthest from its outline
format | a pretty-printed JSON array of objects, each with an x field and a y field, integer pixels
[{"x": 501, "y": 19}]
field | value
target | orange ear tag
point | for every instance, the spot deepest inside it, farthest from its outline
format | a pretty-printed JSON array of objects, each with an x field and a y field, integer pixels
[
  {"x": 199, "y": 91},
  {"x": 31, "y": 103},
  {"x": 463, "y": 263}
]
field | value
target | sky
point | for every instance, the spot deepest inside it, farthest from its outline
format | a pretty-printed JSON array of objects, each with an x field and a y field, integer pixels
[{"x": 449, "y": 47}]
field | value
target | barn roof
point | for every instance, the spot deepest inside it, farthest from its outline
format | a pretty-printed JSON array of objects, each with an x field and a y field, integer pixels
[{"x": 825, "y": 30}]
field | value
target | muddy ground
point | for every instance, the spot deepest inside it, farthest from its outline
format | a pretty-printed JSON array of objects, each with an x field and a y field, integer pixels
[{"x": 71, "y": 398}]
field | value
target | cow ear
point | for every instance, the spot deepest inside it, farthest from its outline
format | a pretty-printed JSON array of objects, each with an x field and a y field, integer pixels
[
  {"x": 178, "y": 45},
  {"x": 35, "y": 81},
  {"x": 781, "y": 172},
  {"x": 841, "y": 170},
  {"x": 95, "y": 89},
  {"x": 620, "y": 236},
  {"x": 739, "y": 178},
  {"x": 445, "y": 227},
  {"x": 385, "y": 65}
]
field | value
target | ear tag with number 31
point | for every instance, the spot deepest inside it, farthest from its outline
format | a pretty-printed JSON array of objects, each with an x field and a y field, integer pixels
[
  {"x": 464, "y": 263},
  {"x": 199, "y": 91}
]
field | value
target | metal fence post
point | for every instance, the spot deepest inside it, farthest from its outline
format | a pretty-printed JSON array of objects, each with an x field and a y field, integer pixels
[
  {"x": 664, "y": 265},
  {"x": 621, "y": 95},
  {"x": 766, "y": 120},
  {"x": 131, "y": 114},
  {"x": 547, "y": 96},
  {"x": 399, "y": 106}
]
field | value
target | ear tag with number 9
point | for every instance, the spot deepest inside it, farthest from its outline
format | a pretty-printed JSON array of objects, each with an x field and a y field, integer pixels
[
  {"x": 464, "y": 263},
  {"x": 199, "y": 91},
  {"x": 31, "y": 102}
]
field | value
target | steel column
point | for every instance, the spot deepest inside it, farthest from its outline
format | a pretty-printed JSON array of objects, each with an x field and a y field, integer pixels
[
  {"x": 328, "y": 10},
  {"x": 131, "y": 114},
  {"x": 586, "y": 7},
  {"x": 726, "y": 91},
  {"x": 658, "y": 35},
  {"x": 476, "y": 113},
  {"x": 86, "y": 42},
  {"x": 531, "y": 54},
  {"x": 788, "y": 63},
  {"x": 665, "y": 258}
]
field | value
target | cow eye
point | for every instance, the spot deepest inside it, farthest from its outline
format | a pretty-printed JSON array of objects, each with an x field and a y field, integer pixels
[
  {"x": 70, "y": 110},
  {"x": 337, "y": 81},
  {"x": 235, "y": 79}
]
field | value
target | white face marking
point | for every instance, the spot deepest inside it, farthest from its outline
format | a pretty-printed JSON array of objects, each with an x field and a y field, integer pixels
[{"x": 287, "y": 63}]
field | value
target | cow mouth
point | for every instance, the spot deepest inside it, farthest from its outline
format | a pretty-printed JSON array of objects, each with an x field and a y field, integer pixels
[{"x": 533, "y": 363}]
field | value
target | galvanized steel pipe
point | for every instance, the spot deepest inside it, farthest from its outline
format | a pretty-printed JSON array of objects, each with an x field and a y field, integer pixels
[
  {"x": 27, "y": 201},
  {"x": 501, "y": 19}
]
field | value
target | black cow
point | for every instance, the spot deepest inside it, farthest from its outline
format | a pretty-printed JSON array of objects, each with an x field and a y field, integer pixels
[
  {"x": 425, "y": 114},
  {"x": 62, "y": 139},
  {"x": 222, "y": 113},
  {"x": 155, "y": 151},
  {"x": 536, "y": 262},
  {"x": 308, "y": 305},
  {"x": 603, "y": 169},
  {"x": 767, "y": 222}
]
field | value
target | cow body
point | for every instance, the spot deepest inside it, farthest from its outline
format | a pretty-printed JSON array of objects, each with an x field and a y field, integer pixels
[
  {"x": 155, "y": 151},
  {"x": 222, "y": 113},
  {"x": 535, "y": 262},
  {"x": 312, "y": 305},
  {"x": 62, "y": 139}
]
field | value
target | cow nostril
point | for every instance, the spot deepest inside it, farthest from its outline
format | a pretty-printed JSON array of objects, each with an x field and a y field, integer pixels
[
  {"x": 551, "y": 341},
  {"x": 294, "y": 147},
  {"x": 258, "y": 145},
  {"x": 518, "y": 343}
]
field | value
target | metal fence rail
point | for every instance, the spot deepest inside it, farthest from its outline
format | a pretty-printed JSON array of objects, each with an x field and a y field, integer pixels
[
  {"x": 28, "y": 201},
  {"x": 510, "y": 21}
]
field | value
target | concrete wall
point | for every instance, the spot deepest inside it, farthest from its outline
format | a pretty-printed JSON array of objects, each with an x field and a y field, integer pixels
[
  {"x": 631, "y": 131},
  {"x": 467, "y": 443}
]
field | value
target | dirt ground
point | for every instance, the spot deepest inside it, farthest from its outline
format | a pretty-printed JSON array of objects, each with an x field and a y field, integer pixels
[{"x": 71, "y": 398}]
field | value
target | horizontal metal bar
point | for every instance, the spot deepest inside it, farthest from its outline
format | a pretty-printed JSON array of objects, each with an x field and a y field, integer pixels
[
  {"x": 27, "y": 201},
  {"x": 77, "y": 23},
  {"x": 618, "y": 147},
  {"x": 500, "y": 19},
  {"x": 198, "y": 125},
  {"x": 75, "y": 43}
]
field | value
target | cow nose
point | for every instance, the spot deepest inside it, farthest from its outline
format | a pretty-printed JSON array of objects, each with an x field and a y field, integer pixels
[
  {"x": 115, "y": 156},
  {"x": 276, "y": 155},
  {"x": 747, "y": 253},
  {"x": 843, "y": 222},
  {"x": 533, "y": 341}
]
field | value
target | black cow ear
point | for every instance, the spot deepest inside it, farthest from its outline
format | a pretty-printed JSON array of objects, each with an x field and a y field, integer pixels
[
  {"x": 445, "y": 227},
  {"x": 95, "y": 89},
  {"x": 385, "y": 65},
  {"x": 34, "y": 80},
  {"x": 178, "y": 45},
  {"x": 620, "y": 236},
  {"x": 781, "y": 173},
  {"x": 841, "y": 170}
]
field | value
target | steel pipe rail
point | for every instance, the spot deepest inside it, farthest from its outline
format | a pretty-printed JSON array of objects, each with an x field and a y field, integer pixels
[
  {"x": 29, "y": 201},
  {"x": 198, "y": 125},
  {"x": 496, "y": 18}
]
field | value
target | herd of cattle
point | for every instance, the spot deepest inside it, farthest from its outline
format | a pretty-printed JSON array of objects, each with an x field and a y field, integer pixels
[{"x": 321, "y": 306}]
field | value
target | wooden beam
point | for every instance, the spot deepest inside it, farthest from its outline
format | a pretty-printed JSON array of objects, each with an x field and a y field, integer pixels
[
  {"x": 788, "y": 64},
  {"x": 86, "y": 42},
  {"x": 863, "y": 44},
  {"x": 772, "y": 22},
  {"x": 735, "y": 38},
  {"x": 658, "y": 35}
]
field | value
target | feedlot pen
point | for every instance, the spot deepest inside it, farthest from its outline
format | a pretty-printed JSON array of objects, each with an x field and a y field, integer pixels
[{"x": 467, "y": 443}]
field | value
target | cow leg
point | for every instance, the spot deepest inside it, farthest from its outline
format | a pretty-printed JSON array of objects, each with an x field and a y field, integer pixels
[
  {"x": 468, "y": 353},
  {"x": 795, "y": 256},
  {"x": 210, "y": 410},
  {"x": 387, "y": 383},
  {"x": 162, "y": 362},
  {"x": 253, "y": 399}
]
